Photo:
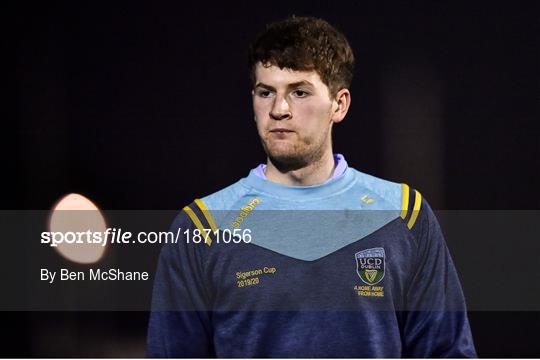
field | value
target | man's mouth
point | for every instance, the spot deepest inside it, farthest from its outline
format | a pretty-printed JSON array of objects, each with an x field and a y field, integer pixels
[{"x": 280, "y": 130}]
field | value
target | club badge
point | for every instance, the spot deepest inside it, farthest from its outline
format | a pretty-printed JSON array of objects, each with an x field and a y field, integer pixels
[{"x": 370, "y": 265}]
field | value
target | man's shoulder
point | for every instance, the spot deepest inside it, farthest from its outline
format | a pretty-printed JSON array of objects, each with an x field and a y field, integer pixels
[
  {"x": 227, "y": 197},
  {"x": 207, "y": 211},
  {"x": 393, "y": 196},
  {"x": 387, "y": 193}
]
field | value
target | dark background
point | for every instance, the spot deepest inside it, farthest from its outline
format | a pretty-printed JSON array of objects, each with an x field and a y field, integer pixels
[{"x": 147, "y": 106}]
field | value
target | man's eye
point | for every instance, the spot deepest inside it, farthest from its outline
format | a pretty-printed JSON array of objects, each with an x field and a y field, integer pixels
[
  {"x": 265, "y": 93},
  {"x": 300, "y": 93}
]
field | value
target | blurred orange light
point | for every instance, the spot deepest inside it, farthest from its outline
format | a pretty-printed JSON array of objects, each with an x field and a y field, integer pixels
[{"x": 76, "y": 213}]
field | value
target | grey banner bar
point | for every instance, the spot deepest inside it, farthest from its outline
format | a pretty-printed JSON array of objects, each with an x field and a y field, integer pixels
[{"x": 496, "y": 254}]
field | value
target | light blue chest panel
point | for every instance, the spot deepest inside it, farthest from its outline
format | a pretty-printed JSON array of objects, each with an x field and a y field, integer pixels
[{"x": 305, "y": 228}]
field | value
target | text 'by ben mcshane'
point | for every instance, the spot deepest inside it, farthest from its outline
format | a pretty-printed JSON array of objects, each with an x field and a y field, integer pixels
[{"x": 112, "y": 274}]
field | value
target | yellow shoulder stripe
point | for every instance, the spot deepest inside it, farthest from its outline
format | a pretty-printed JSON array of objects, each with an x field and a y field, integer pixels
[
  {"x": 404, "y": 200},
  {"x": 206, "y": 214},
  {"x": 416, "y": 209},
  {"x": 197, "y": 223}
]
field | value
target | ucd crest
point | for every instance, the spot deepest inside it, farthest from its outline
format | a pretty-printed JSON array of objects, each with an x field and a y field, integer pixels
[{"x": 370, "y": 265}]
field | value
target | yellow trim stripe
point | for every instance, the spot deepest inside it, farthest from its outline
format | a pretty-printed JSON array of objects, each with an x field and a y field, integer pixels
[
  {"x": 198, "y": 223},
  {"x": 416, "y": 209},
  {"x": 404, "y": 200},
  {"x": 206, "y": 214}
]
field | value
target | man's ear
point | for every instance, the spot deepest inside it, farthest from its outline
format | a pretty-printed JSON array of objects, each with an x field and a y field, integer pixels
[{"x": 343, "y": 101}]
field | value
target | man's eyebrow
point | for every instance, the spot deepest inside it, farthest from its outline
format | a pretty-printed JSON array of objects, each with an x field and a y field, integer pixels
[
  {"x": 267, "y": 87},
  {"x": 299, "y": 83},
  {"x": 290, "y": 86}
]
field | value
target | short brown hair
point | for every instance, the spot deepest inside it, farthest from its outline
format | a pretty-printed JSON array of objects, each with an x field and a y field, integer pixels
[{"x": 304, "y": 44}]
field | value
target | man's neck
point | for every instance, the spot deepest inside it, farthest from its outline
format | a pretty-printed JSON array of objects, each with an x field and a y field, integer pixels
[{"x": 313, "y": 174}]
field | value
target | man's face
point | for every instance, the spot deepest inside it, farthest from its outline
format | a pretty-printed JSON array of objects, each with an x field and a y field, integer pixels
[{"x": 294, "y": 115}]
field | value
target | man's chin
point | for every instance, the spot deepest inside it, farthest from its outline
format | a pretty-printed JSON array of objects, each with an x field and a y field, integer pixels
[
  {"x": 285, "y": 156},
  {"x": 287, "y": 162}
]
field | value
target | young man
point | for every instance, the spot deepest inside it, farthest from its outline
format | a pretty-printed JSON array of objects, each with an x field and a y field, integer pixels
[{"x": 324, "y": 261}]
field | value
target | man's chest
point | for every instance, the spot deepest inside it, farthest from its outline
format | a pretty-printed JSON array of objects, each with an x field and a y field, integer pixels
[{"x": 370, "y": 273}]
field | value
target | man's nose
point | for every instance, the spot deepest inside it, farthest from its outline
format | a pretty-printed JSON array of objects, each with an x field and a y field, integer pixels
[{"x": 280, "y": 109}]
